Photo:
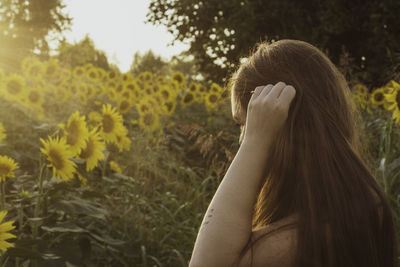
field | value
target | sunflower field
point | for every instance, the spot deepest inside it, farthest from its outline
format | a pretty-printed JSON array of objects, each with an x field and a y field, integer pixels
[{"x": 100, "y": 168}]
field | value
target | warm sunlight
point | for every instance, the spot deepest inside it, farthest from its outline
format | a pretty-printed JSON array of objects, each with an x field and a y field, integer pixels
[{"x": 118, "y": 28}]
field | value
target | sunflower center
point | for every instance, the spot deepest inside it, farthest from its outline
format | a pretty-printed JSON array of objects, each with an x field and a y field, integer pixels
[
  {"x": 4, "y": 169},
  {"x": 34, "y": 97},
  {"x": 178, "y": 78},
  {"x": 112, "y": 75},
  {"x": 224, "y": 94},
  {"x": 144, "y": 108},
  {"x": 378, "y": 97},
  {"x": 57, "y": 159},
  {"x": 213, "y": 98},
  {"x": 148, "y": 119},
  {"x": 124, "y": 105},
  {"x": 119, "y": 89},
  {"x": 108, "y": 123},
  {"x": 89, "y": 150},
  {"x": 92, "y": 75},
  {"x": 14, "y": 87},
  {"x": 73, "y": 133},
  {"x": 165, "y": 94},
  {"x": 188, "y": 98}
]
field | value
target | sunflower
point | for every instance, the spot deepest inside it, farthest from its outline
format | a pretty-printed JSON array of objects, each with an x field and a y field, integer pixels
[
  {"x": 394, "y": 104},
  {"x": 193, "y": 87},
  {"x": 167, "y": 93},
  {"x": 14, "y": 86},
  {"x": 126, "y": 77},
  {"x": 377, "y": 97},
  {"x": 124, "y": 106},
  {"x": 391, "y": 86},
  {"x": 111, "y": 124},
  {"x": 76, "y": 132},
  {"x": 2, "y": 133},
  {"x": 187, "y": 99},
  {"x": 131, "y": 86},
  {"x": 179, "y": 78},
  {"x": 7, "y": 167},
  {"x": 112, "y": 75},
  {"x": 34, "y": 70},
  {"x": 215, "y": 88},
  {"x": 123, "y": 143},
  {"x": 93, "y": 150},
  {"x": 92, "y": 74},
  {"x": 168, "y": 107},
  {"x": 58, "y": 154},
  {"x": 202, "y": 89},
  {"x": 5, "y": 227},
  {"x": 360, "y": 89},
  {"x": 161, "y": 80},
  {"x": 148, "y": 77},
  {"x": 79, "y": 72},
  {"x": 94, "y": 117},
  {"x": 33, "y": 98},
  {"x": 127, "y": 95},
  {"x": 50, "y": 68},
  {"x": 143, "y": 105},
  {"x": 149, "y": 121},
  {"x": 115, "y": 167},
  {"x": 225, "y": 93},
  {"x": 212, "y": 100}
]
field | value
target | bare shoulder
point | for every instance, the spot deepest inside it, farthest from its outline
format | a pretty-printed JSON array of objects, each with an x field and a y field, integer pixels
[{"x": 277, "y": 248}]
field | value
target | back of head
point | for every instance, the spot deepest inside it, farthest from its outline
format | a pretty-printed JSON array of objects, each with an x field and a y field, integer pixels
[{"x": 315, "y": 168}]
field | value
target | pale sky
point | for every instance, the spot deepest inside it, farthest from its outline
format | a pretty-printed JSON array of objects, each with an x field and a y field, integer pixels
[{"x": 117, "y": 27}]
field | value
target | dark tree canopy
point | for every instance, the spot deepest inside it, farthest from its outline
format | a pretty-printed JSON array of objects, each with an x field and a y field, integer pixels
[
  {"x": 25, "y": 26},
  {"x": 82, "y": 53},
  {"x": 221, "y": 32}
]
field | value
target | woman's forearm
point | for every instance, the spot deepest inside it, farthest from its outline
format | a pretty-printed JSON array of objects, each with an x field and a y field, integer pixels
[{"x": 226, "y": 226}]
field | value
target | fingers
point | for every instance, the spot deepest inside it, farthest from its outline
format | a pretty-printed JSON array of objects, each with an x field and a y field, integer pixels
[
  {"x": 257, "y": 91},
  {"x": 287, "y": 95},
  {"x": 275, "y": 91}
]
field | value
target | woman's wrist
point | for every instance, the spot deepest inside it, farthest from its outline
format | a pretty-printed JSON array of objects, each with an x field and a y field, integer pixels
[{"x": 255, "y": 144}]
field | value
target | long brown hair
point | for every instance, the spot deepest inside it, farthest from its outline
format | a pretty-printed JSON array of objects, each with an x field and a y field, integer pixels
[{"x": 317, "y": 168}]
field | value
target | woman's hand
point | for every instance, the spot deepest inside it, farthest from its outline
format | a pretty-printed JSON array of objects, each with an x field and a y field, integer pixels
[{"x": 267, "y": 111}]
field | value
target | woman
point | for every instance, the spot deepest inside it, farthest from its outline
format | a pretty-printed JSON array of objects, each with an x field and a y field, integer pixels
[{"x": 298, "y": 192}]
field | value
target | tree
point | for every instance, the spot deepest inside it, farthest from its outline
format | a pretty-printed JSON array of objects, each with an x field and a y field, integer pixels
[
  {"x": 81, "y": 53},
  {"x": 149, "y": 62},
  {"x": 25, "y": 26},
  {"x": 220, "y": 33},
  {"x": 157, "y": 65}
]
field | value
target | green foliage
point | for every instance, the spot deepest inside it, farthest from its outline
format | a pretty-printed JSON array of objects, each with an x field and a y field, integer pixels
[
  {"x": 222, "y": 32},
  {"x": 24, "y": 26},
  {"x": 149, "y": 62},
  {"x": 156, "y": 64},
  {"x": 82, "y": 53}
]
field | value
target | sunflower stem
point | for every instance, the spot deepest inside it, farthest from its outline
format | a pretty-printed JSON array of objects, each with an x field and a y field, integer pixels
[
  {"x": 387, "y": 152},
  {"x": 37, "y": 207}
]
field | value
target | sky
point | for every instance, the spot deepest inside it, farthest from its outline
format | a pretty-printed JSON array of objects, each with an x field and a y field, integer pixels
[{"x": 117, "y": 27}]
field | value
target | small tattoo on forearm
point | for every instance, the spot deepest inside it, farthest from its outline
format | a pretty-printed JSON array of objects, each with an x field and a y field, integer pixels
[{"x": 208, "y": 216}]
